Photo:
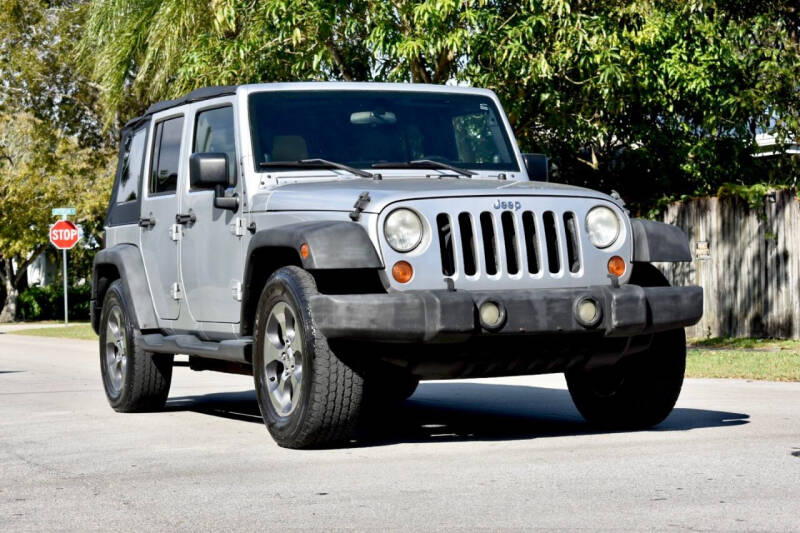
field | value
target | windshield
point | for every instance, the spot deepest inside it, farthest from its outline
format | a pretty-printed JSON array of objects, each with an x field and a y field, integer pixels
[{"x": 366, "y": 128}]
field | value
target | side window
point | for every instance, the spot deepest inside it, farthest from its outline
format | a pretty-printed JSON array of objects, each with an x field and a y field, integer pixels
[
  {"x": 214, "y": 133},
  {"x": 132, "y": 161},
  {"x": 166, "y": 156}
]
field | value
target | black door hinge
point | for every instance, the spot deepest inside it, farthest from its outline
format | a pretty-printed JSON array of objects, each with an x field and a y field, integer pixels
[
  {"x": 358, "y": 207},
  {"x": 252, "y": 228},
  {"x": 187, "y": 218},
  {"x": 147, "y": 222}
]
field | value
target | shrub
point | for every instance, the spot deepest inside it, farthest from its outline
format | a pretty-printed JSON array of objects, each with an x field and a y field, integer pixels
[{"x": 46, "y": 303}]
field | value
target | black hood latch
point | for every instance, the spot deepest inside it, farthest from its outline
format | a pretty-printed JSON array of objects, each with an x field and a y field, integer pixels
[{"x": 358, "y": 207}]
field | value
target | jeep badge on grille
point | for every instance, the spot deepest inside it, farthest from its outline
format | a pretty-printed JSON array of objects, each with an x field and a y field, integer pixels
[{"x": 502, "y": 204}]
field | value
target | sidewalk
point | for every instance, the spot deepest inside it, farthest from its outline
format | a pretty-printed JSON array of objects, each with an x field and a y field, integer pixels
[{"x": 16, "y": 326}]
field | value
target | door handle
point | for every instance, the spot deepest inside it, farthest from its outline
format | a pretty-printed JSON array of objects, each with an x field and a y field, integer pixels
[
  {"x": 147, "y": 222},
  {"x": 183, "y": 219}
]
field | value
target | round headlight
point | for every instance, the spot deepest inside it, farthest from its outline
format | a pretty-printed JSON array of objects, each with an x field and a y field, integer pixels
[
  {"x": 403, "y": 230},
  {"x": 602, "y": 226}
]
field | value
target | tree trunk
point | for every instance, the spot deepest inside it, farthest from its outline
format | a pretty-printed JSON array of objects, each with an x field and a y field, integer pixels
[
  {"x": 12, "y": 281},
  {"x": 9, "y": 312}
]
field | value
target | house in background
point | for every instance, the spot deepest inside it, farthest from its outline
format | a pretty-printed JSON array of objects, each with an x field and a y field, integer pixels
[
  {"x": 768, "y": 146},
  {"x": 42, "y": 271}
]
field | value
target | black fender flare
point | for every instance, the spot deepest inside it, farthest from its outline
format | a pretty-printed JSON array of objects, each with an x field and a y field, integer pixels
[
  {"x": 331, "y": 244},
  {"x": 128, "y": 262},
  {"x": 657, "y": 241}
]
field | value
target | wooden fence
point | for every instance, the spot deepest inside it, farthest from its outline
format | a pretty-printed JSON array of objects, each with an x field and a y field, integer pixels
[{"x": 747, "y": 259}]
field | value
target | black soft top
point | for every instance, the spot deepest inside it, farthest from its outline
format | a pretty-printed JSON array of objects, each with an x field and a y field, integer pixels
[
  {"x": 197, "y": 95},
  {"x": 128, "y": 212}
]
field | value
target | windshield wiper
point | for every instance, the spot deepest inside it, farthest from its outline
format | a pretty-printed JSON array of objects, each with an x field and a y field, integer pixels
[
  {"x": 425, "y": 163},
  {"x": 316, "y": 163}
]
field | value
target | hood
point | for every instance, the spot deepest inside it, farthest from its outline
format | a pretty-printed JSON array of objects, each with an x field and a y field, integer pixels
[{"x": 341, "y": 194}]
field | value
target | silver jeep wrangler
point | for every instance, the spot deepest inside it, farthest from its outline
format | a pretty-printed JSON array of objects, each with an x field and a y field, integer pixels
[{"x": 342, "y": 241}]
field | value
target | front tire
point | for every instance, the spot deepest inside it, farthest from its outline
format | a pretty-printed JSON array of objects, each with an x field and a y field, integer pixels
[
  {"x": 308, "y": 396},
  {"x": 638, "y": 392},
  {"x": 134, "y": 379}
]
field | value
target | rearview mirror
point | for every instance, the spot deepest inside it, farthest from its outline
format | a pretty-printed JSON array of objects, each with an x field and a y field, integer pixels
[
  {"x": 537, "y": 166},
  {"x": 373, "y": 117},
  {"x": 211, "y": 171}
]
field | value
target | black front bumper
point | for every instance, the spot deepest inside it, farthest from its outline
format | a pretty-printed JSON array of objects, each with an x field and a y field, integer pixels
[{"x": 447, "y": 316}]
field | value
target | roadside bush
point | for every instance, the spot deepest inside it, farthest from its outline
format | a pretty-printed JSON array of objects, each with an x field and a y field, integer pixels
[{"x": 46, "y": 303}]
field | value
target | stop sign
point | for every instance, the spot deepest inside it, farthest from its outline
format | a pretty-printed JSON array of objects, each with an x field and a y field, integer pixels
[{"x": 64, "y": 234}]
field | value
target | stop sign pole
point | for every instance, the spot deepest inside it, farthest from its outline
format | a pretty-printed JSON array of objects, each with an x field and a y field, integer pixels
[{"x": 64, "y": 235}]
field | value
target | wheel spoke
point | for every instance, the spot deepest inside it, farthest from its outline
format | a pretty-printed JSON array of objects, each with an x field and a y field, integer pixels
[
  {"x": 286, "y": 394},
  {"x": 276, "y": 327},
  {"x": 114, "y": 323},
  {"x": 272, "y": 381},
  {"x": 280, "y": 318},
  {"x": 288, "y": 326},
  {"x": 123, "y": 366},
  {"x": 115, "y": 359},
  {"x": 111, "y": 333},
  {"x": 272, "y": 354},
  {"x": 283, "y": 358},
  {"x": 295, "y": 379},
  {"x": 297, "y": 343}
]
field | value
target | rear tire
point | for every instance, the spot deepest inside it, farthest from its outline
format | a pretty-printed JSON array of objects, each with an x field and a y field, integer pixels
[
  {"x": 308, "y": 396},
  {"x": 638, "y": 392},
  {"x": 134, "y": 379}
]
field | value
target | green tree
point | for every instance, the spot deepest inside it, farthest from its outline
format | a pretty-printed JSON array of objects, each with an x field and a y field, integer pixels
[
  {"x": 53, "y": 149},
  {"x": 41, "y": 169},
  {"x": 38, "y": 66},
  {"x": 654, "y": 98}
]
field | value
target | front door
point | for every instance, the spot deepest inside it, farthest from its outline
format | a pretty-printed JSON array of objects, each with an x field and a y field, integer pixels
[
  {"x": 160, "y": 202},
  {"x": 211, "y": 250}
]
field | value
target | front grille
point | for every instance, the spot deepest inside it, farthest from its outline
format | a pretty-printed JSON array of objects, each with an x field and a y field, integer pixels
[
  {"x": 509, "y": 243},
  {"x": 480, "y": 243}
]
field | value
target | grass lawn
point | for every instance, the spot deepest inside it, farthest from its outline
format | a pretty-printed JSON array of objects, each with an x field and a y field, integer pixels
[
  {"x": 73, "y": 331},
  {"x": 763, "y": 359}
]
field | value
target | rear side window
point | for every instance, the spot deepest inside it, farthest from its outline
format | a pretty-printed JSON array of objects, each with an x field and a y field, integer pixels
[
  {"x": 213, "y": 133},
  {"x": 166, "y": 156},
  {"x": 132, "y": 162}
]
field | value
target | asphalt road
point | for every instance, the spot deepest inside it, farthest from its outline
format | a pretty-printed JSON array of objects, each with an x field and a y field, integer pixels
[{"x": 493, "y": 454}]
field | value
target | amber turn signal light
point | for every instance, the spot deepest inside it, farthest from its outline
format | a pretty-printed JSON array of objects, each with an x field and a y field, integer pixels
[
  {"x": 402, "y": 271},
  {"x": 616, "y": 266},
  {"x": 304, "y": 251}
]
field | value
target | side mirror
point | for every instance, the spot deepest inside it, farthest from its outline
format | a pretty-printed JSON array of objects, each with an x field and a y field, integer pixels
[
  {"x": 206, "y": 171},
  {"x": 211, "y": 171},
  {"x": 537, "y": 166}
]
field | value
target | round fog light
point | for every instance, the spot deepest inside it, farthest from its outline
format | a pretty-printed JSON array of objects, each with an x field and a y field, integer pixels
[
  {"x": 491, "y": 314},
  {"x": 587, "y": 312}
]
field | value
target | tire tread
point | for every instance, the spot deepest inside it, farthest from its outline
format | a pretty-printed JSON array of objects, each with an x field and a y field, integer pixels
[{"x": 336, "y": 389}]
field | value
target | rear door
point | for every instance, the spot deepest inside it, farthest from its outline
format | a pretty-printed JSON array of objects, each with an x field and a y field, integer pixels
[
  {"x": 212, "y": 248},
  {"x": 160, "y": 203}
]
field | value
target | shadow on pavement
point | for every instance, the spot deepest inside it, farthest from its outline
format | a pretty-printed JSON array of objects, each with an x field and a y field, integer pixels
[{"x": 463, "y": 412}]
